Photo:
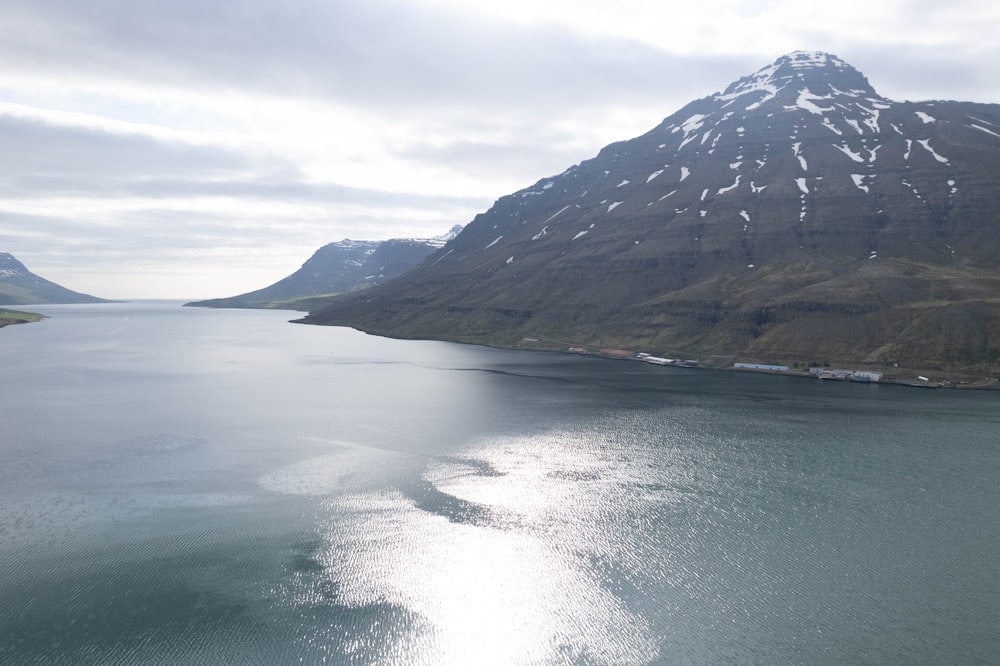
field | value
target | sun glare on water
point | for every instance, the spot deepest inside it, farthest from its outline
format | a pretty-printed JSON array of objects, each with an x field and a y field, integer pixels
[{"x": 499, "y": 566}]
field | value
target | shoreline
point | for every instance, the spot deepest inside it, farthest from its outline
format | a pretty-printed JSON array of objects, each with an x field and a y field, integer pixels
[
  {"x": 946, "y": 381},
  {"x": 906, "y": 377},
  {"x": 13, "y": 317}
]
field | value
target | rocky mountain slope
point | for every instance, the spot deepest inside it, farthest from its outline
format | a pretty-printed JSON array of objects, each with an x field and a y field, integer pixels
[
  {"x": 335, "y": 268},
  {"x": 19, "y": 286},
  {"x": 797, "y": 215}
]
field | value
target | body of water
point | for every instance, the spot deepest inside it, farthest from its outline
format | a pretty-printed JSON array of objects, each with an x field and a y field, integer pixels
[{"x": 186, "y": 486}]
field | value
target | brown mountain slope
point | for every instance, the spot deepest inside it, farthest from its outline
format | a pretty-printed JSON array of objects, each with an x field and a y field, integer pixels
[{"x": 797, "y": 215}]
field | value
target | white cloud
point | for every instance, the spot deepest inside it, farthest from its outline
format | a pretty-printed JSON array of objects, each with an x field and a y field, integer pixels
[{"x": 189, "y": 133}]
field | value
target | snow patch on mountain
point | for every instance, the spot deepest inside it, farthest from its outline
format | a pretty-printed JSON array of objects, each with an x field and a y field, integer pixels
[
  {"x": 687, "y": 140},
  {"x": 830, "y": 126},
  {"x": 692, "y": 124},
  {"x": 436, "y": 242},
  {"x": 806, "y": 99},
  {"x": 926, "y": 143},
  {"x": 761, "y": 82},
  {"x": 797, "y": 149},
  {"x": 871, "y": 118},
  {"x": 557, "y": 214},
  {"x": 850, "y": 153},
  {"x": 983, "y": 129},
  {"x": 723, "y": 190}
]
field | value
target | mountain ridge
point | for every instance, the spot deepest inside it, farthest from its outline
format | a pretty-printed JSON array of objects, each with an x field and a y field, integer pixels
[
  {"x": 19, "y": 286},
  {"x": 796, "y": 214},
  {"x": 338, "y": 267}
]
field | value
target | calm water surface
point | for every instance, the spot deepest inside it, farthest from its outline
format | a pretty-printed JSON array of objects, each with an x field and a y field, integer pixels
[{"x": 182, "y": 486}]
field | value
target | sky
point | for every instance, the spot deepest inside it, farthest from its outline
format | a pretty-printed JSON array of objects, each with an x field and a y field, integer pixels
[{"x": 192, "y": 149}]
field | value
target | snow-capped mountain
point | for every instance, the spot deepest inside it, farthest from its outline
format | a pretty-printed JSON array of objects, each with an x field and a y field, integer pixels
[
  {"x": 438, "y": 241},
  {"x": 19, "y": 286},
  {"x": 340, "y": 267},
  {"x": 797, "y": 214}
]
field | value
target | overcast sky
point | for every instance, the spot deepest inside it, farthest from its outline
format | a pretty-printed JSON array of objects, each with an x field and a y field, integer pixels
[{"x": 188, "y": 149}]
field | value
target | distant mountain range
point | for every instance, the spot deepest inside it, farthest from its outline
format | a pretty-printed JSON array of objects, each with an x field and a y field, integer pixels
[
  {"x": 795, "y": 216},
  {"x": 336, "y": 268},
  {"x": 19, "y": 286}
]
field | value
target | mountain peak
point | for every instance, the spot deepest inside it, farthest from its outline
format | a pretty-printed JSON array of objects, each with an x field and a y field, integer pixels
[
  {"x": 442, "y": 240},
  {"x": 11, "y": 268},
  {"x": 813, "y": 72},
  {"x": 344, "y": 266},
  {"x": 19, "y": 286},
  {"x": 796, "y": 216},
  {"x": 8, "y": 262},
  {"x": 810, "y": 60}
]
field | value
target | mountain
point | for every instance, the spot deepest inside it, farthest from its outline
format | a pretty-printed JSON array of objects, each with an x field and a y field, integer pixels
[
  {"x": 19, "y": 286},
  {"x": 796, "y": 216},
  {"x": 340, "y": 267}
]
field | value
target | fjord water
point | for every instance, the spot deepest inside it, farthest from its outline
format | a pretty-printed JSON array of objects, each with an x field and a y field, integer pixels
[{"x": 184, "y": 486}]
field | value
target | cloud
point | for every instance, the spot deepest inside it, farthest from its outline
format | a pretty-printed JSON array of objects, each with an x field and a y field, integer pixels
[
  {"x": 47, "y": 160},
  {"x": 919, "y": 73},
  {"x": 398, "y": 57},
  {"x": 189, "y": 251},
  {"x": 95, "y": 204},
  {"x": 196, "y": 134},
  {"x": 42, "y": 157},
  {"x": 390, "y": 55}
]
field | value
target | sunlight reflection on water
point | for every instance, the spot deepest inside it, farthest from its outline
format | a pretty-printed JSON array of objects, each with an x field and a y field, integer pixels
[
  {"x": 498, "y": 557},
  {"x": 485, "y": 595},
  {"x": 224, "y": 488}
]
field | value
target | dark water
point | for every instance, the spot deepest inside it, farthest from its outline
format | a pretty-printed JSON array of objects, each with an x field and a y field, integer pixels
[{"x": 186, "y": 486}]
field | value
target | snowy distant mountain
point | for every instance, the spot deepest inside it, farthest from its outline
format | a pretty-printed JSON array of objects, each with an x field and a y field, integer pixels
[
  {"x": 344, "y": 266},
  {"x": 796, "y": 215},
  {"x": 19, "y": 286}
]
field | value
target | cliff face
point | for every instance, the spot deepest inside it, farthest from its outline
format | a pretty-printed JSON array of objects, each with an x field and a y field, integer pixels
[
  {"x": 20, "y": 286},
  {"x": 795, "y": 215}
]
